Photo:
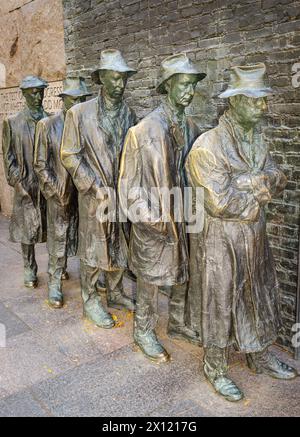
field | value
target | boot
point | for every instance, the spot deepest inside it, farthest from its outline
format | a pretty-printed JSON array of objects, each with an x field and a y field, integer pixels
[
  {"x": 30, "y": 278},
  {"x": 94, "y": 311},
  {"x": 120, "y": 301},
  {"x": 183, "y": 333},
  {"x": 268, "y": 363},
  {"x": 215, "y": 370},
  {"x": 150, "y": 346},
  {"x": 55, "y": 296}
]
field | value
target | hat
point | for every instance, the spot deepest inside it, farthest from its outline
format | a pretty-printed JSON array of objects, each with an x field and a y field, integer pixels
[
  {"x": 176, "y": 64},
  {"x": 74, "y": 87},
  {"x": 33, "y": 82},
  {"x": 111, "y": 59},
  {"x": 249, "y": 80}
]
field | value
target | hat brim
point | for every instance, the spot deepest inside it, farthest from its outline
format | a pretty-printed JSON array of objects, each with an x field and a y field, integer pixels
[
  {"x": 95, "y": 74},
  {"x": 161, "y": 86},
  {"x": 74, "y": 93},
  {"x": 254, "y": 93},
  {"x": 27, "y": 87}
]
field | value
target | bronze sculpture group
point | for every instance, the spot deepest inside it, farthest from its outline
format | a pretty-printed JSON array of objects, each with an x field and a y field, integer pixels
[{"x": 61, "y": 167}]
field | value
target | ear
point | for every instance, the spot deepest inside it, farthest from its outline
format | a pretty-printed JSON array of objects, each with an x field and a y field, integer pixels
[{"x": 233, "y": 101}]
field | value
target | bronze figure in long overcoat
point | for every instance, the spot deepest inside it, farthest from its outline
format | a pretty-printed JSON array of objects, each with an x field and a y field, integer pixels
[
  {"x": 28, "y": 221},
  {"x": 151, "y": 187},
  {"x": 92, "y": 143}
]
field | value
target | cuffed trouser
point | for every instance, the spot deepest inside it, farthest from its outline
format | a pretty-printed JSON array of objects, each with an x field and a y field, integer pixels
[
  {"x": 146, "y": 313},
  {"x": 215, "y": 362},
  {"x": 177, "y": 306},
  {"x": 30, "y": 265},
  {"x": 89, "y": 277},
  {"x": 56, "y": 267}
]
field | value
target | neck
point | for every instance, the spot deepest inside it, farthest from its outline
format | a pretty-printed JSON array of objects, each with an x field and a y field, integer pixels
[
  {"x": 109, "y": 102},
  {"x": 178, "y": 110},
  {"x": 247, "y": 127}
]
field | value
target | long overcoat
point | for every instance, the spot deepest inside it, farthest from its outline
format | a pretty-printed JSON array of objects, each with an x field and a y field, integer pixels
[
  {"x": 91, "y": 155},
  {"x": 152, "y": 165},
  {"x": 239, "y": 295},
  {"x": 57, "y": 187},
  {"x": 28, "y": 221}
]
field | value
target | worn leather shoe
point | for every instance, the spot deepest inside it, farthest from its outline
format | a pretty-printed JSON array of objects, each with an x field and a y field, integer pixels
[
  {"x": 55, "y": 298},
  {"x": 268, "y": 363},
  {"x": 184, "y": 333},
  {"x": 227, "y": 388},
  {"x": 94, "y": 311},
  {"x": 151, "y": 347},
  {"x": 120, "y": 302}
]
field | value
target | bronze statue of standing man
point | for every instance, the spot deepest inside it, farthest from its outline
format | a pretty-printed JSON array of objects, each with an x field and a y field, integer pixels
[
  {"x": 92, "y": 143},
  {"x": 58, "y": 189},
  {"x": 28, "y": 221},
  {"x": 152, "y": 166},
  {"x": 239, "y": 289}
]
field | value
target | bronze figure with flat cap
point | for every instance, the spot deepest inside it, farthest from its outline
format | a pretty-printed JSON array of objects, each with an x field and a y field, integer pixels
[
  {"x": 239, "y": 288},
  {"x": 152, "y": 161},
  {"x": 58, "y": 189},
  {"x": 92, "y": 143},
  {"x": 28, "y": 221}
]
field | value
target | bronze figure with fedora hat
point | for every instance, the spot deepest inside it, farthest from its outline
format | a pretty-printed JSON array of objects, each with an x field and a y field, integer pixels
[
  {"x": 28, "y": 221},
  {"x": 58, "y": 189},
  {"x": 237, "y": 278},
  {"x": 152, "y": 160},
  {"x": 92, "y": 143}
]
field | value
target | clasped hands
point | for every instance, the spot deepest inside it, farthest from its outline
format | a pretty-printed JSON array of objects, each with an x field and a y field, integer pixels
[{"x": 258, "y": 183}]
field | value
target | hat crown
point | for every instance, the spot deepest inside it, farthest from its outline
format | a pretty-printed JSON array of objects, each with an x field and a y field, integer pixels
[
  {"x": 74, "y": 84},
  {"x": 249, "y": 80},
  {"x": 112, "y": 59},
  {"x": 31, "y": 81}
]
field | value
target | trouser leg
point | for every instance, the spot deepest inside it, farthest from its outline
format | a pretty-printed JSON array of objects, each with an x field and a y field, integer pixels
[
  {"x": 177, "y": 308},
  {"x": 215, "y": 362},
  {"x": 266, "y": 362},
  {"x": 146, "y": 317},
  {"x": 55, "y": 270},
  {"x": 115, "y": 294},
  {"x": 30, "y": 265},
  {"x": 92, "y": 306},
  {"x": 146, "y": 313}
]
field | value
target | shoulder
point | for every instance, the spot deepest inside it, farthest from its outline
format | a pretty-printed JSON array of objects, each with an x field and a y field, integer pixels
[
  {"x": 151, "y": 125},
  {"x": 209, "y": 140},
  {"x": 51, "y": 120},
  {"x": 84, "y": 108}
]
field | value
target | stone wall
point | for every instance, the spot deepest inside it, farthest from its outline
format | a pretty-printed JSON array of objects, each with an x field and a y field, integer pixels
[
  {"x": 32, "y": 42},
  {"x": 216, "y": 34}
]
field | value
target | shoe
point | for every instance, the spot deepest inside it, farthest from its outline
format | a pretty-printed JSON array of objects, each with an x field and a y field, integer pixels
[
  {"x": 55, "y": 298},
  {"x": 151, "y": 347},
  {"x": 94, "y": 311},
  {"x": 184, "y": 333},
  {"x": 65, "y": 276},
  {"x": 30, "y": 279},
  {"x": 120, "y": 302},
  {"x": 269, "y": 364},
  {"x": 227, "y": 388}
]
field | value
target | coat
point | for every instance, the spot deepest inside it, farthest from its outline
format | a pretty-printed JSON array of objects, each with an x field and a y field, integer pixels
[
  {"x": 57, "y": 187},
  {"x": 152, "y": 158},
  {"x": 90, "y": 152},
  {"x": 28, "y": 221},
  {"x": 237, "y": 283}
]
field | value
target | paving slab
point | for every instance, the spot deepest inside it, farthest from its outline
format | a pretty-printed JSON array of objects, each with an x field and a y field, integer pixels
[
  {"x": 21, "y": 404},
  {"x": 13, "y": 325}
]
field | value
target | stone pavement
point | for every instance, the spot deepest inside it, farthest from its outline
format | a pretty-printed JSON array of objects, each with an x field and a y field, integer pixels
[{"x": 57, "y": 364}]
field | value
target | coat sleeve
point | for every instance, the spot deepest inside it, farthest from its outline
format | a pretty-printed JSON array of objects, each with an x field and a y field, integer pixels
[
  {"x": 9, "y": 156},
  {"x": 207, "y": 167},
  {"x": 276, "y": 177},
  {"x": 72, "y": 155},
  {"x": 48, "y": 184}
]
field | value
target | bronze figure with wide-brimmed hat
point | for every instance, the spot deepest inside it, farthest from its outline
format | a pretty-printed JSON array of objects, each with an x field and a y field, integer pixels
[
  {"x": 153, "y": 158},
  {"x": 240, "y": 296},
  {"x": 28, "y": 221},
  {"x": 58, "y": 188},
  {"x": 91, "y": 147}
]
